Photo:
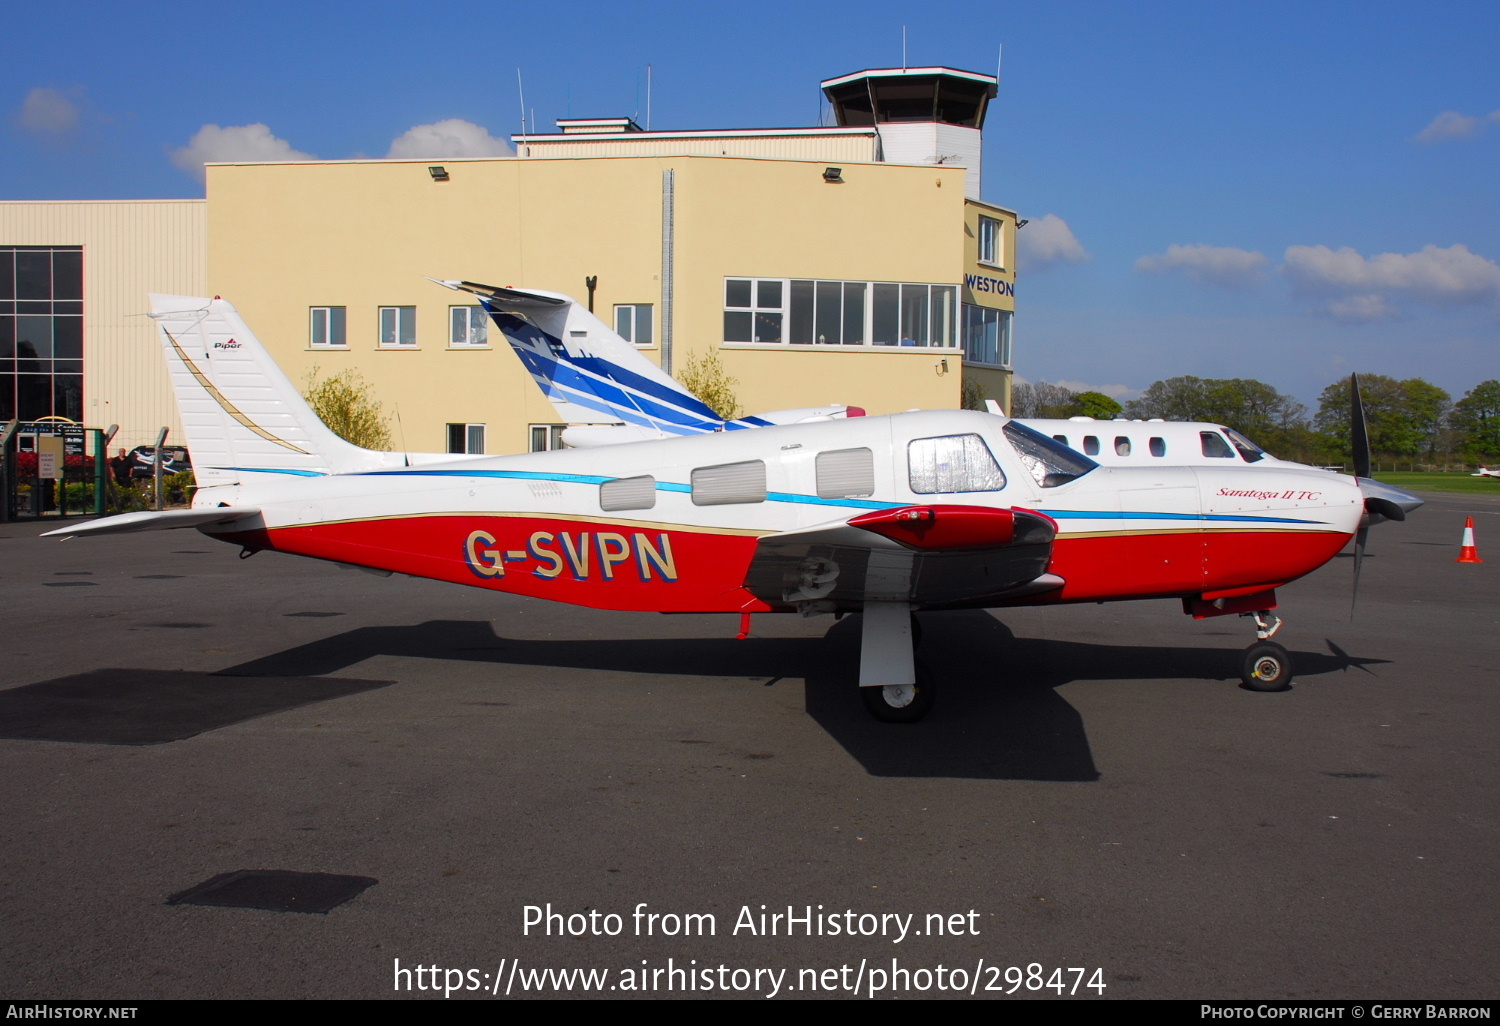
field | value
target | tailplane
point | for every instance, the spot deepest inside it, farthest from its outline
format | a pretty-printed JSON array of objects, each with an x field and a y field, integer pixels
[{"x": 241, "y": 414}]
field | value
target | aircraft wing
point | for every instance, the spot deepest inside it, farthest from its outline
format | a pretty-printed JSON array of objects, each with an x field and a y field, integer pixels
[
  {"x": 931, "y": 557},
  {"x": 166, "y": 520}
]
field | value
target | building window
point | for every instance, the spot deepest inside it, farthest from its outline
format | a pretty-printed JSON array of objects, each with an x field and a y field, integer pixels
[
  {"x": 986, "y": 335},
  {"x": 546, "y": 437},
  {"x": 633, "y": 323},
  {"x": 466, "y": 438},
  {"x": 327, "y": 329},
  {"x": 804, "y": 311},
  {"x": 754, "y": 309},
  {"x": 41, "y": 332},
  {"x": 991, "y": 242},
  {"x": 952, "y": 463},
  {"x": 468, "y": 326},
  {"x": 398, "y": 326}
]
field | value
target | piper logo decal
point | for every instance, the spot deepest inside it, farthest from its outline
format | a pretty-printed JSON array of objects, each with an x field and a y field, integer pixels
[{"x": 603, "y": 556}]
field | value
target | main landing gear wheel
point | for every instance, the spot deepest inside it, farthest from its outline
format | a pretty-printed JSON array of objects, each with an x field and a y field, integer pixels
[
  {"x": 1266, "y": 666},
  {"x": 900, "y": 703}
]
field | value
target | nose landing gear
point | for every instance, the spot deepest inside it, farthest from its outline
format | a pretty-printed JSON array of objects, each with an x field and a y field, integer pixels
[{"x": 1266, "y": 666}]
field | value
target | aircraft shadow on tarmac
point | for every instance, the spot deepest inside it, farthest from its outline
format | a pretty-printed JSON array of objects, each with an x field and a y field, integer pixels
[{"x": 999, "y": 713}]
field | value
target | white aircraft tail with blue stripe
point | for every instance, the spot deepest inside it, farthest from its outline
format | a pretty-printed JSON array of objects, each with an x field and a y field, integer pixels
[{"x": 576, "y": 358}]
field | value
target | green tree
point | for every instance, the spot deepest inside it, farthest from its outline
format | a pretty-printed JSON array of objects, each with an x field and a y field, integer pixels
[
  {"x": 1044, "y": 400},
  {"x": 1476, "y": 419},
  {"x": 1099, "y": 406},
  {"x": 1403, "y": 418},
  {"x": 706, "y": 378},
  {"x": 1251, "y": 407},
  {"x": 346, "y": 404}
]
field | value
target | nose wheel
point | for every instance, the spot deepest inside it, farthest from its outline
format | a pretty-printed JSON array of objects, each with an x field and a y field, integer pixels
[{"x": 1266, "y": 666}]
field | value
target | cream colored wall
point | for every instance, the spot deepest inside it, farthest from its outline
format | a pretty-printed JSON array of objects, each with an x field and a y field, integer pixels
[
  {"x": 130, "y": 248},
  {"x": 283, "y": 238},
  {"x": 781, "y": 220}
]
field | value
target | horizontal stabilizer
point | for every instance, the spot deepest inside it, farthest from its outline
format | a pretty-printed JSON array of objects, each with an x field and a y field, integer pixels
[
  {"x": 167, "y": 520},
  {"x": 505, "y": 299}
]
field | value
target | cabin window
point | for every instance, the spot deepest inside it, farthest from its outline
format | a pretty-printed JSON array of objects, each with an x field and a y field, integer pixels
[
  {"x": 845, "y": 474},
  {"x": 327, "y": 328},
  {"x": 1215, "y": 446},
  {"x": 729, "y": 483},
  {"x": 628, "y": 493},
  {"x": 398, "y": 326},
  {"x": 1158, "y": 446},
  {"x": 952, "y": 463},
  {"x": 468, "y": 327},
  {"x": 1248, "y": 450},
  {"x": 1061, "y": 438},
  {"x": 633, "y": 323},
  {"x": 466, "y": 438},
  {"x": 1050, "y": 463},
  {"x": 1122, "y": 446},
  {"x": 1090, "y": 445}
]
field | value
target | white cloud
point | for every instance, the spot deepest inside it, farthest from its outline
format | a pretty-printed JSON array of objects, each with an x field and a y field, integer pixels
[
  {"x": 1450, "y": 124},
  {"x": 1360, "y": 288},
  {"x": 1224, "y": 266},
  {"x": 451, "y": 138},
  {"x": 1113, "y": 391},
  {"x": 1049, "y": 240},
  {"x": 237, "y": 142},
  {"x": 1360, "y": 309},
  {"x": 48, "y": 112}
]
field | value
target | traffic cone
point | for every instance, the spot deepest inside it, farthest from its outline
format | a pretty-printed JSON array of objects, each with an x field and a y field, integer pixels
[{"x": 1469, "y": 554}]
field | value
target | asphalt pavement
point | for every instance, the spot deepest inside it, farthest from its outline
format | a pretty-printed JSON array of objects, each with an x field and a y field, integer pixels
[{"x": 517, "y": 787}]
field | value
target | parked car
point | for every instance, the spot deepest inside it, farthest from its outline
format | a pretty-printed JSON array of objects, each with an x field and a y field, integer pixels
[{"x": 143, "y": 460}]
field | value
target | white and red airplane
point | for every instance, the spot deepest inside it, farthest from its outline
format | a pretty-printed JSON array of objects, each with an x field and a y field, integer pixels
[{"x": 882, "y": 515}]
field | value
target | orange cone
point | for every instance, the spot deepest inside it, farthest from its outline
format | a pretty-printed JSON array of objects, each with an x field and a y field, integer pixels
[{"x": 1469, "y": 554}]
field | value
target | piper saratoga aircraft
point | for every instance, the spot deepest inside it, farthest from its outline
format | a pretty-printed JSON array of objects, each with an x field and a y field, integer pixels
[{"x": 883, "y": 516}]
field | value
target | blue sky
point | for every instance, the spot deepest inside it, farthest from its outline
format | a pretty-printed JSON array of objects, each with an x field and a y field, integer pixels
[{"x": 1285, "y": 191}]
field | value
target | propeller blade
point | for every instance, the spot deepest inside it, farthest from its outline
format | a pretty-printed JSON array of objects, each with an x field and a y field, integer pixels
[
  {"x": 1359, "y": 559},
  {"x": 1359, "y": 434}
]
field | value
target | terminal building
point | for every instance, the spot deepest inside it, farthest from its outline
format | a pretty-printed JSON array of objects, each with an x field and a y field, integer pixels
[{"x": 853, "y": 263}]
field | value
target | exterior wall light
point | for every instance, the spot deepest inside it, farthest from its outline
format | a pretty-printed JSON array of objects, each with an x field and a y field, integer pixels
[
  {"x": 1023, "y": 222},
  {"x": 438, "y": 173},
  {"x": 833, "y": 175}
]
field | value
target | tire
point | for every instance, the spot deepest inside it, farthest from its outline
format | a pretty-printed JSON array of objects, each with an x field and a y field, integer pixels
[
  {"x": 1266, "y": 666},
  {"x": 900, "y": 703}
]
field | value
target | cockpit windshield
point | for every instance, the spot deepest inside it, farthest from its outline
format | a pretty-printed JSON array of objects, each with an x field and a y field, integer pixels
[
  {"x": 1048, "y": 460},
  {"x": 1248, "y": 450}
]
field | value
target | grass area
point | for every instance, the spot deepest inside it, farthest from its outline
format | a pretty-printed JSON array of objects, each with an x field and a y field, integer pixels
[{"x": 1417, "y": 481}]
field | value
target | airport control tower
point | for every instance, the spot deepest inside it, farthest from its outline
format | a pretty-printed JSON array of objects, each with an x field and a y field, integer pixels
[{"x": 923, "y": 115}]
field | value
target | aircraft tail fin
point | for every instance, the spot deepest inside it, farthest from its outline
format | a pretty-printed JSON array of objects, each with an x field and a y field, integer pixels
[
  {"x": 576, "y": 358},
  {"x": 242, "y": 415}
]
